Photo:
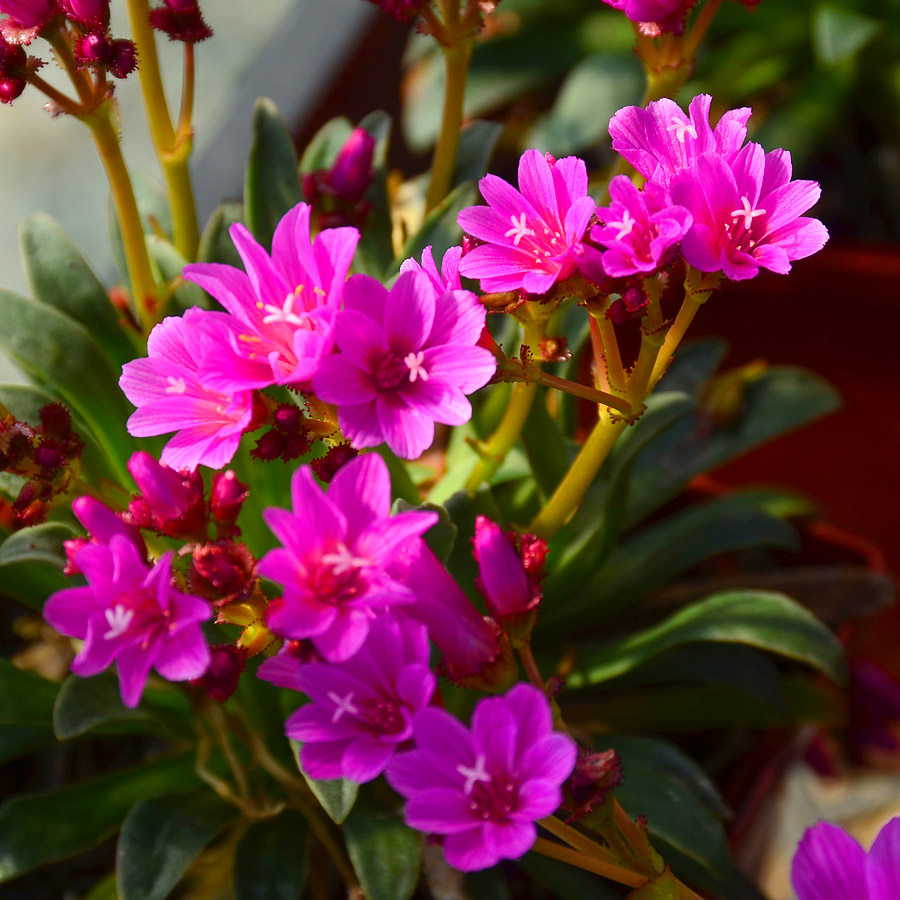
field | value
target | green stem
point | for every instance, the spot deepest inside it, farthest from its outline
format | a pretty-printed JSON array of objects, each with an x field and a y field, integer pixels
[
  {"x": 443, "y": 165},
  {"x": 606, "y": 332},
  {"x": 60, "y": 44},
  {"x": 529, "y": 663},
  {"x": 575, "y": 839},
  {"x": 143, "y": 285},
  {"x": 173, "y": 148},
  {"x": 583, "y": 391},
  {"x": 589, "y": 863},
  {"x": 699, "y": 28}
]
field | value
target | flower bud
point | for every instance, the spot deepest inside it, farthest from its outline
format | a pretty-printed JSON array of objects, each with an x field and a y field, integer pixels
[
  {"x": 222, "y": 571},
  {"x": 174, "y": 499},
  {"x": 28, "y": 13},
  {"x": 10, "y": 88},
  {"x": 226, "y": 496},
  {"x": 220, "y": 680},
  {"x": 594, "y": 776},
  {"x": 401, "y": 10},
  {"x": 326, "y": 466},
  {"x": 88, "y": 12},
  {"x": 351, "y": 173},
  {"x": 181, "y": 20},
  {"x": 124, "y": 58}
]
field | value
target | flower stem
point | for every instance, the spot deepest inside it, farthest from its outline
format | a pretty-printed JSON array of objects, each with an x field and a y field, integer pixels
[
  {"x": 589, "y": 863},
  {"x": 443, "y": 165},
  {"x": 606, "y": 337},
  {"x": 582, "y": 390},
  {"x": 699, "y": 28},
  {"x": 576, "y": 839},
  {"x": 143, "y": 285},
  {"x": 529, "y": 663},
  {"x": 173, "y": 149}
]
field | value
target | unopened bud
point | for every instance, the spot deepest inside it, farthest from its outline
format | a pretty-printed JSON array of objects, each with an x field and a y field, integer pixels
[
  {"x": 226, "y": 496},
  {"x": 124, "y": 58},
  {"x": 326, "y": 466},
  {"x": 181, "y": 20},
  {"x": 351, "y": 173},
  {"x": 594, "y": 776},
  {"x": 401, "y": 10},
  {"x": 89, "y": 12},
  {"x": 220, "y": 680}
]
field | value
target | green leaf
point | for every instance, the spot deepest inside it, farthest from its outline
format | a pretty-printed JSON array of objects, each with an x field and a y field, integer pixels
[
  {"x": 385, "y": 854},
  {"x": 693, "y": 366},
  {"x": 161, "y": 837},
  {"x": 168, "y": 264},
  {"x": 322, "y": 150},
  {"x": 271, "y": 184},
  {"x": 215, "y": 242},
  {"x": 25, "y": 698},
  {"x": 57, "y": 351},
  {"x": 23, "y": 740},
  {"x": 402, "y": 486},
  {"x": 337, "y": 796},
  {"x": 544, "y": 446},
  {"x": 375, "y": 250},
  {"x": 593, "y": 91},
  {"x": 761, "y": 619},
  {"x": 779, "y": 400},
  {"x": 86, "y": 704},
  {"x": 654, "y": 555},
  {"x": 839, "y": 34},
  {"x": 564, "y": 881},
  {"x": 477, "y": 142},
  {"x": 58, "y": 275},
  {"x": 271, "y": 860},
  {"x": 439, "y": 230},
  {"x": 37, "y": 544},
  {"x": 104, "y": 889},
  {"x": 41, "y": 828}
]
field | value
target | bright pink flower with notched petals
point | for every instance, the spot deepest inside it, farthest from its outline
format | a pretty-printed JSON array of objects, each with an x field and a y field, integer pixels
[
  {"x": 484, "y": 788},
  {"x": 447, "y": 279},
  {"x": 170, "y": 395},
  {"x": 638, "y": 228},
  {"x": 661, "y": 140},
  {"x": 336, "y": 555},
  {"x": 131, "y": 614},
  {"x": 407, "y": 360},
  {"x": 533, "y": 236},
  {"x": 363, "y": 709},
  {"x": 747, "y": 214},
  {"x": 831, "y": 865},
  {"x": 284, "y": 304}
]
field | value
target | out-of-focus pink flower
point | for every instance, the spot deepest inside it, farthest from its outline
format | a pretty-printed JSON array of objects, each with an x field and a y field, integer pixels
[
  {"x": 131, "y": 614},
  {"x": 351, "y": 173},
  {"x": 661, "y": 140},
  {"x": 638, "y": 228},
  {"x": 747, "y": 214},
  {"x": 533, "y": 236},
  {"x": 336, "y": 554},
  {"x": 401, "y": 10},
  {"x": 831, "y": 865},
  {"x": 170, "y": 396},
  {"x": 407, "y": 360},
  {"x": 484, "y": 788},
  {"x": 363, "y": 709},
  {"x": 284, "y": 304},
  {"x": 88, "y": 12},
  {"x": 655, "y": 15},
  {"x": 29, "y": 13}
]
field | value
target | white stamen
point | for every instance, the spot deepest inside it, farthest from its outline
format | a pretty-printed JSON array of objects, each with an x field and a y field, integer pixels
[
  {"x": 747, "y": 213},
  {"x": 119, "y": 619},
  {"x": 626, "y": 226},
  {"x": 343, "y": 561},
  {"x": 283, "y": 313},
  {"x": 344, "y": 705},
  {"x": 681, "y": 129},
  {"x": 414, "y": 362},
  {"x": 473, "y": 774},
  {"x": 519, "y": 229},
  {"x": 176, "y": 385}
]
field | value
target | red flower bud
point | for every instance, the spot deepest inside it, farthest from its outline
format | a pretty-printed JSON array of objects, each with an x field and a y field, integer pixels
[
  {"x": 181, "y": 20},
  {"x": 351, "y": 173},
  {"x": 326, "y": 466},
  {"x": 220, "y": 680}
]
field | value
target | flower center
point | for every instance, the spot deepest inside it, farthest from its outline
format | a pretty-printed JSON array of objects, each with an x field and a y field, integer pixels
[
  {"x": 681, "y": 129},
  {"x": 285, "y": 313},
  {"x": 519, "y": 229},
  {"x": 119, "y": 619},
  {"x": 338, "y": 576},
  {"x": 746, "y": 212},
  {"x": 492, "y": 797},
  {"x": 393, "y": 371}
]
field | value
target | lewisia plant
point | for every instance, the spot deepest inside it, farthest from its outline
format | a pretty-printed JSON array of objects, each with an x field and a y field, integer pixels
[{"x": 349, "y": 493}]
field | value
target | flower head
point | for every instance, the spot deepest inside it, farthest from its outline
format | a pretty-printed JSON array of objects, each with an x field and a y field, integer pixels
[
  {"x": 447, "y": 279},
  {"x": 661, "y": 140},
  {"x": 533, "y": 236},
  {"x": 132, "y": 614},
  {"x": 655, "y": 15},
  {"x": 484, "y": 787},
  {"x": 747, "y": 214},
  {"x": 831, "y": 865},
  {"x": 407, "y": 360},
  {"x": 170, "y": 502},
  {"x": 283, "y": 306},
  {"x": 363, "y": 709},
  {"x": 336, "y": 554},
  {"x": 170, "y": 396}
]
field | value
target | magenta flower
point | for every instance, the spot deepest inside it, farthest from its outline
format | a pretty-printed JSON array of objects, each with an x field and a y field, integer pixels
[
  {"x": 28, "y": 13},
  {"x": 484, "y": 788},
  {"x": 131, "y": 614},
  {"x": 336, "y": 555},
  {"x": 747, "y": 214},
  {"x": 91, "y": 12},
  {"x": 284, "y": 304},
  {"x": 170, "y": 501},
  {"x": 638, "y": 228},
  {"x": 170, "y": 396},
  {"x": 407, "y": 360},
  {"x": 363, "y": 709},
  {"x": 533, "y": 236},
  {"x": 351, "y": 173},
  {"x": 667, "y": 15},
  {"x": 661, "y": 140},
  {"x": 831, "y": 865},
  {"x": 447, "y": 279}
]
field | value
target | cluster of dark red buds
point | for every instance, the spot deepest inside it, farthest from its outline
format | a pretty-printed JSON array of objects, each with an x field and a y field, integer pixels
[
  {"x": 45, "y": 456},
  {"x": 595, "y": 775},
  {"x": 181, "y": 20},
  {"x": 325, "y": 467},
  {"x": 14, "y": 69},
  {"x": 337, "y": 195},
  {"x": 401, "y": 10},
  {"x": 97, "y": 50},
  {"x": 220, "y": 680},
  {"x": 289, "y": 437}
]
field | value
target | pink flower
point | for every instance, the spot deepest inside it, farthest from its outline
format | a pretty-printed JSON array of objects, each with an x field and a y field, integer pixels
[
  {"x": 28, "y": 13},
  {"x": 351, "y": 173},
  {"x": 484, "y": 788},
  {"x": 831, "y": 865},
  {"x": 638, "y": 228},
  {"x": 131, "y": 614},
  {"x": 747, "y": 214},
  {"x": 283, "y": 306},
  {"x": 407, "y": 360},
  {"x": 533, "y": 236},
  {"x": 336, "y": 555},
  {"x": 170, "y": 502},
  {"x": 363, "y": 709},
  {"x": 170, "y": 395},
  {"x": 660, "y": 141},
  {"x": 448, "y": 277},
  {"x": 666, "y": 15},
  {"x": 91, "y": 12}
]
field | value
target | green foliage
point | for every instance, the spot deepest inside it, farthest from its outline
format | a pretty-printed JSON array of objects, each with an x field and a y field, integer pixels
[
  {"x": 215, "y": 242},
  {"x": 271, "y": 860},
  {"x": 384, "y": 852},
  {"x": 161, "y": 837},
  {"x": 153, "y": 207},
  {"x": 337, "y": 796}
]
